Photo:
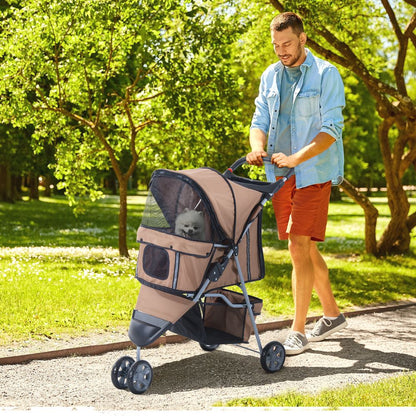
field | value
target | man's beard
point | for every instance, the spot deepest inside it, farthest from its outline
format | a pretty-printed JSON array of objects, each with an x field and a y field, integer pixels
[{"x": 294, "y": 58}]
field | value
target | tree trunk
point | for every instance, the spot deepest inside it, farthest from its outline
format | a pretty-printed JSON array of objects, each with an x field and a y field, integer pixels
[
  {"x": 5, "y": 184},
  {"x": 47, "y": 183},
  {"x": 396, "y": 237},
  {"x": 16, "y": 187},
  {"x": 370, "y": 213},
  {"x": 33, "y": 186},
  {"x": 122, "y": 218}
]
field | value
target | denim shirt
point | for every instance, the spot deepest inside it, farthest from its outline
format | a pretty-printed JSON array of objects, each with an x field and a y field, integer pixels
[{"x": 317, "y": 107}]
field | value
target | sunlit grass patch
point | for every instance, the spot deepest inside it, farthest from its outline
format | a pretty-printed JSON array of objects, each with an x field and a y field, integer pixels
[
  {"x": 46, "y": 291},
  {"x": 62, "y": 274},
  {"x": 51, "y": 222},
  {"x": 391, "y": 392}
]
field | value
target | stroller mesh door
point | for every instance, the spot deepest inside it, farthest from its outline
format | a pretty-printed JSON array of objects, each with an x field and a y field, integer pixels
[{"x": 175, "y": 205}]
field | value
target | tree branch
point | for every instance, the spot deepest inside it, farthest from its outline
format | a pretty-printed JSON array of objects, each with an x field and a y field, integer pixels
[
  {"x": 411, "y": 221},
  {"x": 349, "y": 60},
  {"x": 409, "y": 158},
  {"x": 409, "y": 31},
  {"x": 89, "y": 91},
  {"x": 57, "y": 46},
  {"x": 140, "y": 75},
  {"x": 401, "y": 54},
  {"x": 107, "y": 71}
]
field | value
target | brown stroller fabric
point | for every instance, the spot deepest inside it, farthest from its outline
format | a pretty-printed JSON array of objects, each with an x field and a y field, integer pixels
[
  {"x": 178, "y": 264},
  {"x": 192, "y": 220}
]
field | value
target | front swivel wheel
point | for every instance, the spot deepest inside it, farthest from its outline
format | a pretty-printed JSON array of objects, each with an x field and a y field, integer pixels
[
  {"x": 119, "y": 372},
  {"x": 139, "y": 377},
  {"x": 273, "y": 357}
]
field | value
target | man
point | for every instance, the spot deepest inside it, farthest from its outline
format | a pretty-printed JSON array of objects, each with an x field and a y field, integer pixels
[{"x": 298, "y": 121}]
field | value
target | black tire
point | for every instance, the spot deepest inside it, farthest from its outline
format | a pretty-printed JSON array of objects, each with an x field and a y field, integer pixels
[
  {"x": 209, "y": 347},
  {"x": 273, "y": 357},
  {"x": 139, "y": 377},
  {"x": 119, "y": 372}
]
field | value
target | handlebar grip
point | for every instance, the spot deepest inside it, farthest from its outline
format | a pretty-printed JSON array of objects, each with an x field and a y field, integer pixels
[{"x": 242, "y": 161}]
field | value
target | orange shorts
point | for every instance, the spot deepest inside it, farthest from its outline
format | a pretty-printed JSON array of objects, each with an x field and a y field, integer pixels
[{"x": 302, "y": 211}]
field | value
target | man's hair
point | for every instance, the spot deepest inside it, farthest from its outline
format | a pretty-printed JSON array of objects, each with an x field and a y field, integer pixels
[{"x": 288, "y": 19}]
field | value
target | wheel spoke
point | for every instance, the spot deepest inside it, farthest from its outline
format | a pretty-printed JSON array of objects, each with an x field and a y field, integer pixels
[
  {"x": 272, "y": 357},
  {"x": 139, "y": 377}
]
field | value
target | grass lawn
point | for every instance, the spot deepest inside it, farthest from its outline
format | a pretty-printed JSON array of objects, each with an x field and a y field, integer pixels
[
  {"x": 392, "y": 392},
  {"x": 61, "y": 274}
]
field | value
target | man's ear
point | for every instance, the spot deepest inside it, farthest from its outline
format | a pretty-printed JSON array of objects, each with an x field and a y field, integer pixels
[{"x": 303, "y": 38}]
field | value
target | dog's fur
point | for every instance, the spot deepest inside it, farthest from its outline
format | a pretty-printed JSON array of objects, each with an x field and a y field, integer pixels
[{"x": 190, "y": 224}]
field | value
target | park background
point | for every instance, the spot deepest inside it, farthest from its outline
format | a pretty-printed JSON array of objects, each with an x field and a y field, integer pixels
[{"x": 96, "y": 95}]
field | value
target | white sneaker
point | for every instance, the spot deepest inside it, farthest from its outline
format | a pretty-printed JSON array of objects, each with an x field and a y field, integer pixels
[{"x": 295, "y": 343}]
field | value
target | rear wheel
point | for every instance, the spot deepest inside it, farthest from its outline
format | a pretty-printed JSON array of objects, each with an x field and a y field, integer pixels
[
  {"x": 119, "y": 372},
  {"x": 273, "y": 357},
  {"x": 209, "y": 347},
  {"x": 139, "y": 377}
]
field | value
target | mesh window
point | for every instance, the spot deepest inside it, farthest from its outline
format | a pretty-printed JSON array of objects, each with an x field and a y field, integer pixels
[
  {"x": 156, "y": 262},
  {"x": 173, "y": 206}
]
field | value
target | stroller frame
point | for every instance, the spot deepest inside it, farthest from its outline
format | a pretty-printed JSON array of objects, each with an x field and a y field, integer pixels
[{"x": 136, "y": 375}]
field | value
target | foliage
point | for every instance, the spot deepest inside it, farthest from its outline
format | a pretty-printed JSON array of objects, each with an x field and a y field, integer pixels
[
  {"x": 113, "y": 64},
  {"x": 104, "y": 79}
]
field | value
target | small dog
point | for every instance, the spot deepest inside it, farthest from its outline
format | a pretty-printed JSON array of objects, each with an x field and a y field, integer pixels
[{"x": 190, "y": 224}]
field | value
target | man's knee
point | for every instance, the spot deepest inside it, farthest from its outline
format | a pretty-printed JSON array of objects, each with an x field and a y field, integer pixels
[{"x": 299, "y": 247}]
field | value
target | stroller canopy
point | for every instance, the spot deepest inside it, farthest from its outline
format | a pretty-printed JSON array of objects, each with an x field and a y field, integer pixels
[{"x": 223, "y": 206}]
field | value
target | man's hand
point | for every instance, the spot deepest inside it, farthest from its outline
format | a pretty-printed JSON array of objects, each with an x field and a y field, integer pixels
[
  {"x": 256, "y": 157},
  {"x": 283, "y": 161}
]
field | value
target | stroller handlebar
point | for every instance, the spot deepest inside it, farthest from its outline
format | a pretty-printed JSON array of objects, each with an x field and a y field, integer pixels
[
  {"x": 269, "y": 188},
  {"x": 242, "y": 161}
]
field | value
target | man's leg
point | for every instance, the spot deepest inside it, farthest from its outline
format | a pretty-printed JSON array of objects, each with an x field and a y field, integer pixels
[
  {"x": 322, "y": 284},
  {"x": 309, "y": 271},
  {"x": 302, "y": 278},
  {"x": 302, "y": 286}
]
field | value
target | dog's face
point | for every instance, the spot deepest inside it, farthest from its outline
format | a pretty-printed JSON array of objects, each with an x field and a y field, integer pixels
[{"x": 190, "y": 224}]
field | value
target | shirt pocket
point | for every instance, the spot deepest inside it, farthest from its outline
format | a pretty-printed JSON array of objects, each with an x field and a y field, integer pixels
[
  {"x": 307, "y": 104},
  {"x": 271, "y": 96}
]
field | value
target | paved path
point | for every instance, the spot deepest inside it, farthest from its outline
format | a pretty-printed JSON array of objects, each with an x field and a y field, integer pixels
[{"x": 373, "y": 347}]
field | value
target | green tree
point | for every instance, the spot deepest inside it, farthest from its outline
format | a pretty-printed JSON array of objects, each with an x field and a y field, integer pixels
[
  {"x": 376, "y": 41},
  {"x": 103, "y": 77}
]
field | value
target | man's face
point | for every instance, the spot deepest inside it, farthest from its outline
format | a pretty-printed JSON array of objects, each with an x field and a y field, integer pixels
[{"x": 289, "y": 47}]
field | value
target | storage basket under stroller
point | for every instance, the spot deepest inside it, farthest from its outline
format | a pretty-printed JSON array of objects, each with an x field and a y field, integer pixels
[{"x": 200, "y": 233}]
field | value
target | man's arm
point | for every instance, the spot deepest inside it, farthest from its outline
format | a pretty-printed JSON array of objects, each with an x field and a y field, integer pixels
[
  {"x": 258, "y": 140},
  {"x": 318, "y": 145}
]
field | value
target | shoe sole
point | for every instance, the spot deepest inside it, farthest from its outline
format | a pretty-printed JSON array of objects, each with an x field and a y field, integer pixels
[{"x": 328, "y": 333}]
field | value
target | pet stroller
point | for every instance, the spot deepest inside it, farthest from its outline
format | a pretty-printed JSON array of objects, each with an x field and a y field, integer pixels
[{"x": 184, "y": 273}]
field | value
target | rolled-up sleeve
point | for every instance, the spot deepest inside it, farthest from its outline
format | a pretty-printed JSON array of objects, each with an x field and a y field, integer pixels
[
  {"x": 332, "y": 102},
  {"x": 261, "y": 116}
]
